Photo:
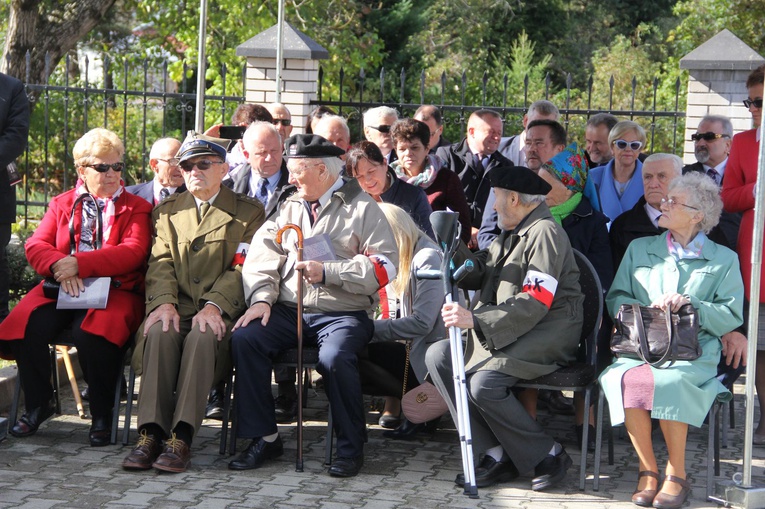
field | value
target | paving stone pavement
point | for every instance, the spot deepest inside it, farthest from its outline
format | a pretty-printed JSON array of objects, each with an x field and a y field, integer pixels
[{"x": 57, "y": 468}]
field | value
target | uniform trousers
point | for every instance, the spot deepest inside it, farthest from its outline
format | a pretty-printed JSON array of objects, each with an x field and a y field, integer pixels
[
  {"x": 100, "y": 359},
  {"x": 496, "y": 416},
  {"x": 340, "y": 336},
  {"x": 178, "y": 372}
]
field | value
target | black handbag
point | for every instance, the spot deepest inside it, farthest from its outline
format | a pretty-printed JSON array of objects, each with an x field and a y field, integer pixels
[
  {"x": 50, "y": 285},
  {"x": 656, "y": 336}
]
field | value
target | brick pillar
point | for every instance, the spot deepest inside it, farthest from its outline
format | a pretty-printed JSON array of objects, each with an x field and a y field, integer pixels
[
  {"x": 717, "y": 84},
  {"x": 300, "y": 71}
]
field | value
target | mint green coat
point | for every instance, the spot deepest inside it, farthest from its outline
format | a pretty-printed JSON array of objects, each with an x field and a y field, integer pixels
[{"x": 685, "y": 391}]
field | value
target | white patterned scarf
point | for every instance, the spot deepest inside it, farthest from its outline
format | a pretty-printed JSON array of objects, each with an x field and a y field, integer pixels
[{"x": 87, "y": 240}]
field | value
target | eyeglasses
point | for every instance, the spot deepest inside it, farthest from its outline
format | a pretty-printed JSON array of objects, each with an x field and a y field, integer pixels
[
  {"x": 385, "y": 129},
  {"x": 670, "y": 203},
  {"x": 173, "y": 161},
  {"x": 757, "y": 103},
  {"x": 286, "y": 122},
  {"x": 709, "y": 136},
  {"x": 203, "y": 164},
  {"x": 103, "y": 167},
  {"x": 634, "y": 145}
]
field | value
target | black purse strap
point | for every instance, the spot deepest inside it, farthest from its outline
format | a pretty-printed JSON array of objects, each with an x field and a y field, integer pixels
[
  {"x": 99, "y": 222},
  {"x": 644, "y": 351}
]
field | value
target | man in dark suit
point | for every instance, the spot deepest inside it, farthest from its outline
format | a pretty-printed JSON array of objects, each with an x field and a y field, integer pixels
[
  {"x": 711, "y": 145},
  {"x": 431, "y": 116},
  {"x": 168, "y": 178},
  {"x": 264, "y": 176},
  {"x": 473, "y": 158},
  {"x": 14, "y": 129}
]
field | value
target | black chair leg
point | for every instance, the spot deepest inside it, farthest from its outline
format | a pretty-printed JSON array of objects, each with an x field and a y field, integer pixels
[
  {"x": 227, "y": 404},
  {"x": 129, "y": 407},
  {"x": 14, "y": 415},
  {"x": 55, "y": 374}
]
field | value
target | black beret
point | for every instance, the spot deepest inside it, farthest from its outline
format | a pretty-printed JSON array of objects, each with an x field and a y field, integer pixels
[
  {"x": 519, "y": 179},
  {"x": 311, "y": 145}
]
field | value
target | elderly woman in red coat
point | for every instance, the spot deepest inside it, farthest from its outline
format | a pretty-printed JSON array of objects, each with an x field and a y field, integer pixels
[{"x": 98, "y": 334}]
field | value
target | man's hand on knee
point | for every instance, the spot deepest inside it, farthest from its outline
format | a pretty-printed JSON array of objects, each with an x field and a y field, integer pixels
[
  {"x": 167, "y": 314},
  {"x": 259, "y": 310},
  {"x": 209, "y": 316}
]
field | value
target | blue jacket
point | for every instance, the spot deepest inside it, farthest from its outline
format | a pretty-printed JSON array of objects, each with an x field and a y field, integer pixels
[{"x": 610, "y": 202}]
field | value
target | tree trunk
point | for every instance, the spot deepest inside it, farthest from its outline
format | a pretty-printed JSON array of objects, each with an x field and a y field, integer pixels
[{"x": 47, "y": 30}]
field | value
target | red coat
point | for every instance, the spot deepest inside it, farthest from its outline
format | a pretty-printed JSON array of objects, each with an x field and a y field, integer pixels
[
  {"x": 123, "y": 258},
  {"x": 737, "y": 195}
]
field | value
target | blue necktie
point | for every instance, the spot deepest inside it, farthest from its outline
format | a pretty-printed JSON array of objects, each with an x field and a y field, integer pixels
[{"x": 263, "y": 190}]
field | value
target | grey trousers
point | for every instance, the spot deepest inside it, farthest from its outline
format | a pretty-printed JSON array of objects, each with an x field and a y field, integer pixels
[
  {"x": 178, "y": 371},
  {"x": 496, "y": 416}
]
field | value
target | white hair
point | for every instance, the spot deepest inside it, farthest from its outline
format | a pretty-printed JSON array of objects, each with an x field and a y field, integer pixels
[
  {"x": 373, "y": 115},
  {"x": 530, "y": 199},
  {"x": 257, "y": 127},
  {"x": 334, "y": 165}
]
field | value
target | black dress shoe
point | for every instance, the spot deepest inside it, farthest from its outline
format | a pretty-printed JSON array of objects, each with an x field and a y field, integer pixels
[
  {"x": 550, "y": 471},
  {"x": 579, "y": 430},
  {"x": 100, "y": 431},
  {"x": 409, "y": 430},
  {"x": 555, "y": 402},
  {"x": 32, "y": 419},
  {"x": 346, "y": 467},
  {"x": 490, "y": 472},
  {"x": 285, "y": 408},
  {"x": 257, "y": 453},
  {"x": 214, "y": 409}
]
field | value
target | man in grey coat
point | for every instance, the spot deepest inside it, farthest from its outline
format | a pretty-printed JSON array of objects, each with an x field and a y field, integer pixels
[{"x": 527, "y": 323}]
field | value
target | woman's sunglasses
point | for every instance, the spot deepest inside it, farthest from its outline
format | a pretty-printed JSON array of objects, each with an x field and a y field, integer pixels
[
  {"x": 103, "y": 167},
  {"x": 634, "y": 145}
]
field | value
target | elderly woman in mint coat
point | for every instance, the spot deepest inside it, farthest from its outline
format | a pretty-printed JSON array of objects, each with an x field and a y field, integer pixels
[{"x": 678, "y": 267}]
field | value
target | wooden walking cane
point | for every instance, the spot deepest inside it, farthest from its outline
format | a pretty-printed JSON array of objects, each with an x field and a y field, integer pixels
[{"x": 279, "y": 234}]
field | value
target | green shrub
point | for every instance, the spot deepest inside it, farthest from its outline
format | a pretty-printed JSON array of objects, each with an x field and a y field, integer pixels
[{"x": 23, "y": 277}]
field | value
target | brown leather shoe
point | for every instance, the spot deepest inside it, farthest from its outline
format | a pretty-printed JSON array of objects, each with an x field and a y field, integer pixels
[
  {"x": 666, "y": 501},
  {"x": 644, "y": 498},
  {"x": 175, "y": 458},
  {"x": 144, "y": 454}
]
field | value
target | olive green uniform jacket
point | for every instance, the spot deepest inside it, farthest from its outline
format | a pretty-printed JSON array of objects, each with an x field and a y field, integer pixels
[
  {"x": 516, "y": 333},
  {"x": 192, "y": 262}
]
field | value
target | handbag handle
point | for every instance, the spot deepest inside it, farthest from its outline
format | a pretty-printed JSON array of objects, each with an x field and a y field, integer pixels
[
  {"x": 643, "y": 349},
  {"x": 99, "y": 223}
]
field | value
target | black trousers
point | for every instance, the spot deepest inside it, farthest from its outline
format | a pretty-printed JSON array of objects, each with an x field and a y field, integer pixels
[
  {"x": 100, "y": 359},
  {"x": 381, "y": 367},
  {"x": 340, "y": 337},
  {"x": 5, "y": 273}
]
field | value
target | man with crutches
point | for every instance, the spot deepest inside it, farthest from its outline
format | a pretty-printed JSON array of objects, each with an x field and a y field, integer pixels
[
  {"x": 349, "y": 253},
  {"x": 526, "y": 323}
]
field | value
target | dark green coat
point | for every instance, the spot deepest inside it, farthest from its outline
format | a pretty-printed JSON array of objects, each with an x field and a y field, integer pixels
[{"x": 515, "y": 332}]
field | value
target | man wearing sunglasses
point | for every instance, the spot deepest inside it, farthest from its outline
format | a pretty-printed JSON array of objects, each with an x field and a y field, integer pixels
[
  {"x": 377, "y": 122},
  {"x": 194, "y": 294},
  {"x": 168, "y": 178},
  {"x": 711, "y": 143},
  {"x": 282, "y": 119}
]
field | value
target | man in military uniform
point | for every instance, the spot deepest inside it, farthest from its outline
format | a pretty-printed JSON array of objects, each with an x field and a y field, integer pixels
[
  {"x": 194, "y": 294},
  {"x": 526, "y": 324}
]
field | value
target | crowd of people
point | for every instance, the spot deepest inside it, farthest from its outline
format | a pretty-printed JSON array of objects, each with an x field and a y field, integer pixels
[{"x": 204, "y": 269}]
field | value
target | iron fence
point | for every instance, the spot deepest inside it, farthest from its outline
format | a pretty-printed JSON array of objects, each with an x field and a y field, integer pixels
[
  {"x": 655, "y": 105},
  {"x": 138, "y": 99},
  {"x": 135, "y": 98}
]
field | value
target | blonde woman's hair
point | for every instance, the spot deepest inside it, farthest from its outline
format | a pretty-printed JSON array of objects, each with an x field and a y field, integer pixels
[
  {"x": 407, "y": 234},
  {"x": 98, "y": 142}
]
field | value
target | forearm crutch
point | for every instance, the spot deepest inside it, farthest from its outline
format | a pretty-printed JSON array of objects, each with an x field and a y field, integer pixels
[
  {"x": 447, "y": 230},
  {"x": 279, "y": 234}
]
